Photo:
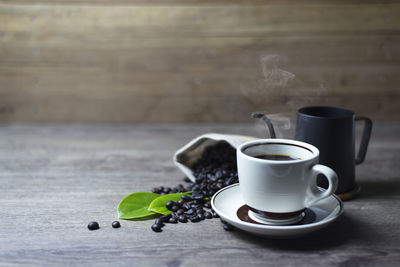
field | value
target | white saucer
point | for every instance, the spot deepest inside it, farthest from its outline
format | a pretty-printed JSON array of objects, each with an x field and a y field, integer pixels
[{"x": 227, "y": 201}]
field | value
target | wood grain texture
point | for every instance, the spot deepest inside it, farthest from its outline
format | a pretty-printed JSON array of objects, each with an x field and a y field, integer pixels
[
  {"x": 193, "y": 60},
  {"x": 57, "y": 178}
]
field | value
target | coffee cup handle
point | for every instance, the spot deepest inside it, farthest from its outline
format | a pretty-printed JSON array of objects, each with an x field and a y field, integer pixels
[{"x": 316, "y": 193}]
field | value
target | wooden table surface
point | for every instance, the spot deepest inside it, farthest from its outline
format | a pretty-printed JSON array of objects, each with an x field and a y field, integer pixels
[{"x": 55, "y": 179}]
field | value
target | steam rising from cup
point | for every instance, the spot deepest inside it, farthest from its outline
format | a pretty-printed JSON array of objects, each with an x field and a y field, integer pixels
[
  {"x": 274, "y": 77},
  {"x": 274, "y": 83}
]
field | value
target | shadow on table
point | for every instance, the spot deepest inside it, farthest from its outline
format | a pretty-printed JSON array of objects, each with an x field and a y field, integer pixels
[
  {"x": 345, "y": 229},
  {"x": 379, "y": 189}
]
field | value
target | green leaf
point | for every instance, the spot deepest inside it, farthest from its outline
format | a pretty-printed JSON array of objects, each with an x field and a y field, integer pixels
[
  {"x": 136, "y": 206},
  {"x": 158, "y": 204}
]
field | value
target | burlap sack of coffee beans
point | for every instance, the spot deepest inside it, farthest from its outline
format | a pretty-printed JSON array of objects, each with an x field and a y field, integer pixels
[{"x": 193, "y": 152}]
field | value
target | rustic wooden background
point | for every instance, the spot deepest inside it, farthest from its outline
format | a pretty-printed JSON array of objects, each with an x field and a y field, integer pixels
[{"x": 195, "y": 60}]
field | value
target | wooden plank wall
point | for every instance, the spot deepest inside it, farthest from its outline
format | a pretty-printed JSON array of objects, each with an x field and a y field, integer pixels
[{"x": 195, "y": 61}]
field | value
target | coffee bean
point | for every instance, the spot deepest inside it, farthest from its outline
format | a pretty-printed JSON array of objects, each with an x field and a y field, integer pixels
[
  {"x": 186, "y": 179},
  {"x": 201, "y": 216},
  {"x": 201, "y": 211},
  {"x": 165, "y": 218},
  {"x": 199, "y": 179},
  {"x": 155, "y": 190},
  {"x": 174, "y": 208},
  {"x": 173, "y": 220},
  {"x": 208, "y": 215},
  {"x": 169, "y": 204},
  {"x": 182, "y": 219},
  {"x": 219, "y": 186},
  {"x": 116, "y": 224},
  {"x": 180, "y": 202},
  {"x": 93, "y": 226},
  {"x": 167, "y": 190},
  {"x": 196, "y": 206},
  {"x": 159, "y": 221},
  {"x": 198, "y": 201},
  {"x": 190, "y": 212},
  {"x": 207, "y": 205},
  {"x": 195, "y": 188},
  {"x": 228, "y": 227},
  {"x": 215, "y": 215},
  {"x": 194, "y": 219},
  {"x": 186, "y": 206},
  {"x": 180, "y": 211},
  {"x": 156, "y": 228},
  {"x": 186, "y": 198}
]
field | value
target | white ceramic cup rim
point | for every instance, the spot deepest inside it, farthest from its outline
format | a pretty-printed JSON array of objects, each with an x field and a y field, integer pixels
[{"x": 314, "y": 151}]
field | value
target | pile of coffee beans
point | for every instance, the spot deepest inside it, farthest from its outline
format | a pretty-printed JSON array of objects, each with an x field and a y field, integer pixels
[
  {"x": 215, "y": 170},
  {"x": 185, "y": 210}
]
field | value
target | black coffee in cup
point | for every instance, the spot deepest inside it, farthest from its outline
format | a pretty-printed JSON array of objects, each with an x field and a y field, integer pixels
[{"x": 276, "y": 157}]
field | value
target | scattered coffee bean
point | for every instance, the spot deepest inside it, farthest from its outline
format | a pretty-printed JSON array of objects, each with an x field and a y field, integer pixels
[
  {"x": 180, "y": 211},
  {"x": 116, "y": 224},
  {"x": 169, "y": 204},
  {"x": 197, "y": 196},
  {"x": 215, "y": 215},
  {"x": 201, "y": 216},
  {"x": 159, "y": 221},
  {"x": 165, "y": 218},
  {"x": 155, "y": 190},
  {"x": 208, "y": 215},
  {"x": 207, "y": 205},
  {"x": 156, "y": 228},
  {"x": 190, "y": 212},
  {"x": 167, "y": 190},
  {"x": 182, "y": 219},
  {"x": 93, "y": 226},
  {"x": 198, "y": 201},
  {"x": 186, "y": 206},
  {"x": 228, "y": 227},
  {"x": 186, "y": 198},
  {"x": 173, "y": 220},
  {"x": 200, "y": 211},
  {"x": 181, "y": 201},
  {"x": 194, "y": 219},
  {"x": 174, "y": 208}
]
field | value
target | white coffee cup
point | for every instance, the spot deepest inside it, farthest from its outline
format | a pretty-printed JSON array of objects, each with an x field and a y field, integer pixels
[{"x": 281, "y": 188}]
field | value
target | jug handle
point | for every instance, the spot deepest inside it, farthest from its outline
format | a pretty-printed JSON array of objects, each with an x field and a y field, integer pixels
[{"x": 362, "y": 151}]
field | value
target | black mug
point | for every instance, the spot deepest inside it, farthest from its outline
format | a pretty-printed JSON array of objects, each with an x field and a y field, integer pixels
[{"x": 332, "y": 131}]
